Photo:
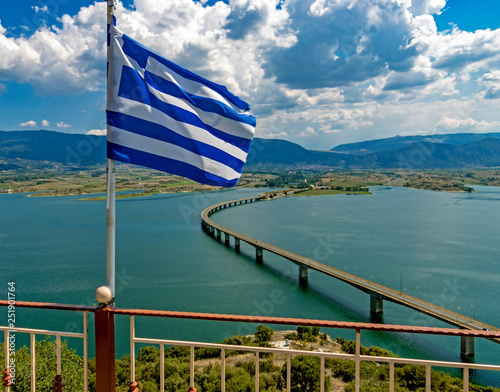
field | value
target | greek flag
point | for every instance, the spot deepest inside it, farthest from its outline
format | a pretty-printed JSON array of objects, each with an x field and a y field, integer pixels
[{"x": 165, "y": 117}]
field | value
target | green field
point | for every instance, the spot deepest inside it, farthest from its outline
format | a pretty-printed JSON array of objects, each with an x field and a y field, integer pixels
[{"x": 88, "y": 182}]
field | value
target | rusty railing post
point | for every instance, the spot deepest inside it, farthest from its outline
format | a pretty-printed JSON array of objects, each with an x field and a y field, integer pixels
[
  {"x": 6, "y": 378},
  {"x": 58, "y": 383},
  {"x": 105, "y": 350}
]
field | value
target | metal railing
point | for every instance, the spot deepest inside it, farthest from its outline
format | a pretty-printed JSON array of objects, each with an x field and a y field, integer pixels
[
  {"x": 357, "y": 357},
  {"x": 10, "y": 338},
  {"x": 289, "y": 354}
]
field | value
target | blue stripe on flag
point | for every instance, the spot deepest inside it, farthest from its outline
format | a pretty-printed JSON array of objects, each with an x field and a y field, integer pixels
[
  {"x": 133, "y": 87},
  {"x": 203, "y": 103},
  {"x": 130, "y": 155},
  {"x": 159, "y": 132},
  {"x": 140, "y": 54}
]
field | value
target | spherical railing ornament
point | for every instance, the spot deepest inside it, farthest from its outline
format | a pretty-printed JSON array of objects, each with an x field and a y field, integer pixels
[{"x": 103, "y": 295}]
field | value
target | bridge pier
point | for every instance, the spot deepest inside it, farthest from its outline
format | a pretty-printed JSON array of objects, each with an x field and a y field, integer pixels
[
  {"x": 226, "y": 239},
  {"x": 376, "y": 304},
  {"x": 303, "y": 274},
  {"x": 259, "y": 254},
  {"x": 467, "y": 346},
  {"x": 237, "y": 244},
  {"x": 212, "y": 231},
  {"x": 218, "y": 234}
]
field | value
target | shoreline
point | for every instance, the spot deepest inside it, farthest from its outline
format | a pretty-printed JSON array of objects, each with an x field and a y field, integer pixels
[
  {"x": 133, "y": 193},
  {"x": 144, "y": 182}
]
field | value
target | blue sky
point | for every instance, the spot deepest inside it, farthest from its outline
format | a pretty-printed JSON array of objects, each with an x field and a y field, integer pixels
[{"x": 315, "y": 72}]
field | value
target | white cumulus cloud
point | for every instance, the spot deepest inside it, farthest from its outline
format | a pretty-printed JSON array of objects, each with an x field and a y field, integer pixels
[
  {"x": 419, "y": 7},
  {"x": 97, "y": 132},
  {"x": 492, "y": 82},
  {"x": 29, "y": 123},
  {"x": 275, "y": 134},
  {"x": 59, "y": 60},
  {"x": 61, "y": 124},
  {"x": 344, "y": 68},
  {"x": 37, "y": 9},
  {"x": 309, "y": 131},
  {"x": 467, "y": 123},
  {"x": 45, "y": 123}
]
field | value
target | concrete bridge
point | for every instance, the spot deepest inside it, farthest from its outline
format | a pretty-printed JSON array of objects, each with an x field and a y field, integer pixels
[{"x": 377, "y": 292}]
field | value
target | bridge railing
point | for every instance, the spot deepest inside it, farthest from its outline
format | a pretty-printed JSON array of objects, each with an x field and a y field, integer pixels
[{"x": 289, "y": 354}]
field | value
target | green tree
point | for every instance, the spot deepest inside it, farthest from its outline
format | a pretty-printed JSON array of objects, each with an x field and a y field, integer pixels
[
  {"x": 176, "y": 374},
  {"x": 264, "y": 334},
  {"x": 305, "y": 374},
  {"x": 46, "y": 368},
  {"x": 122, "y": 370},
  {"x": 305, "y": 334}
]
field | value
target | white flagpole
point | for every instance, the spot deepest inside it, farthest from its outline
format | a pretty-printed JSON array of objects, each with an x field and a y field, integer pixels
[
  {"x": 110, "y": 189},
  {"x": 110, "y": 227}
]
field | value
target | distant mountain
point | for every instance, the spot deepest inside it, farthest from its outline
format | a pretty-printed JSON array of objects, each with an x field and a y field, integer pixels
[
  {"x": 36, "y": 147},
  {"x": 396, "y": 142},
  {"x": 282, "y": 152},
  {"x": 413, "y": 152},
  {"x": 427, "y": 155},
  {"x": 28, "y": 150}
]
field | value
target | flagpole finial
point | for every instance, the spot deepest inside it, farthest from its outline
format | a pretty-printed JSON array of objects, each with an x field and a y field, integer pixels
[
  {"x": 112, "y": 4},
  {"x": 103, "y": 295}
]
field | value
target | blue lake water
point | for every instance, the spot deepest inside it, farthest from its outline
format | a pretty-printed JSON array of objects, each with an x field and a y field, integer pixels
[{"x": 441, "y": 247}]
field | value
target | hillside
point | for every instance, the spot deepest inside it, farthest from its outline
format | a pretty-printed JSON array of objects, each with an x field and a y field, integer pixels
[
  {"x": 396, "y": 142},
  {"x": 48, "y": 149},
  {"x": 426, "y": 155},
  {"x": 29, "y": 150},
  {"x": 482, "y": 153}
]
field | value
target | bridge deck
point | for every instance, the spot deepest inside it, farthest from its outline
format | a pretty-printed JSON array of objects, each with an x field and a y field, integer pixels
[{"x": 367, "y": 286}]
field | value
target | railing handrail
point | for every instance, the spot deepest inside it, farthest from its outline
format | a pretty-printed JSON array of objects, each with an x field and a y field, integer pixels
[
  {"x": 266, "y": 320},
  {"x": 50, "y": 305},
  {"x": 48, "y": 332}
]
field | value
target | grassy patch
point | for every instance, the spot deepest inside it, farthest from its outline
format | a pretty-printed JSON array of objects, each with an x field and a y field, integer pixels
[{"x": 320, "y": 192}]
